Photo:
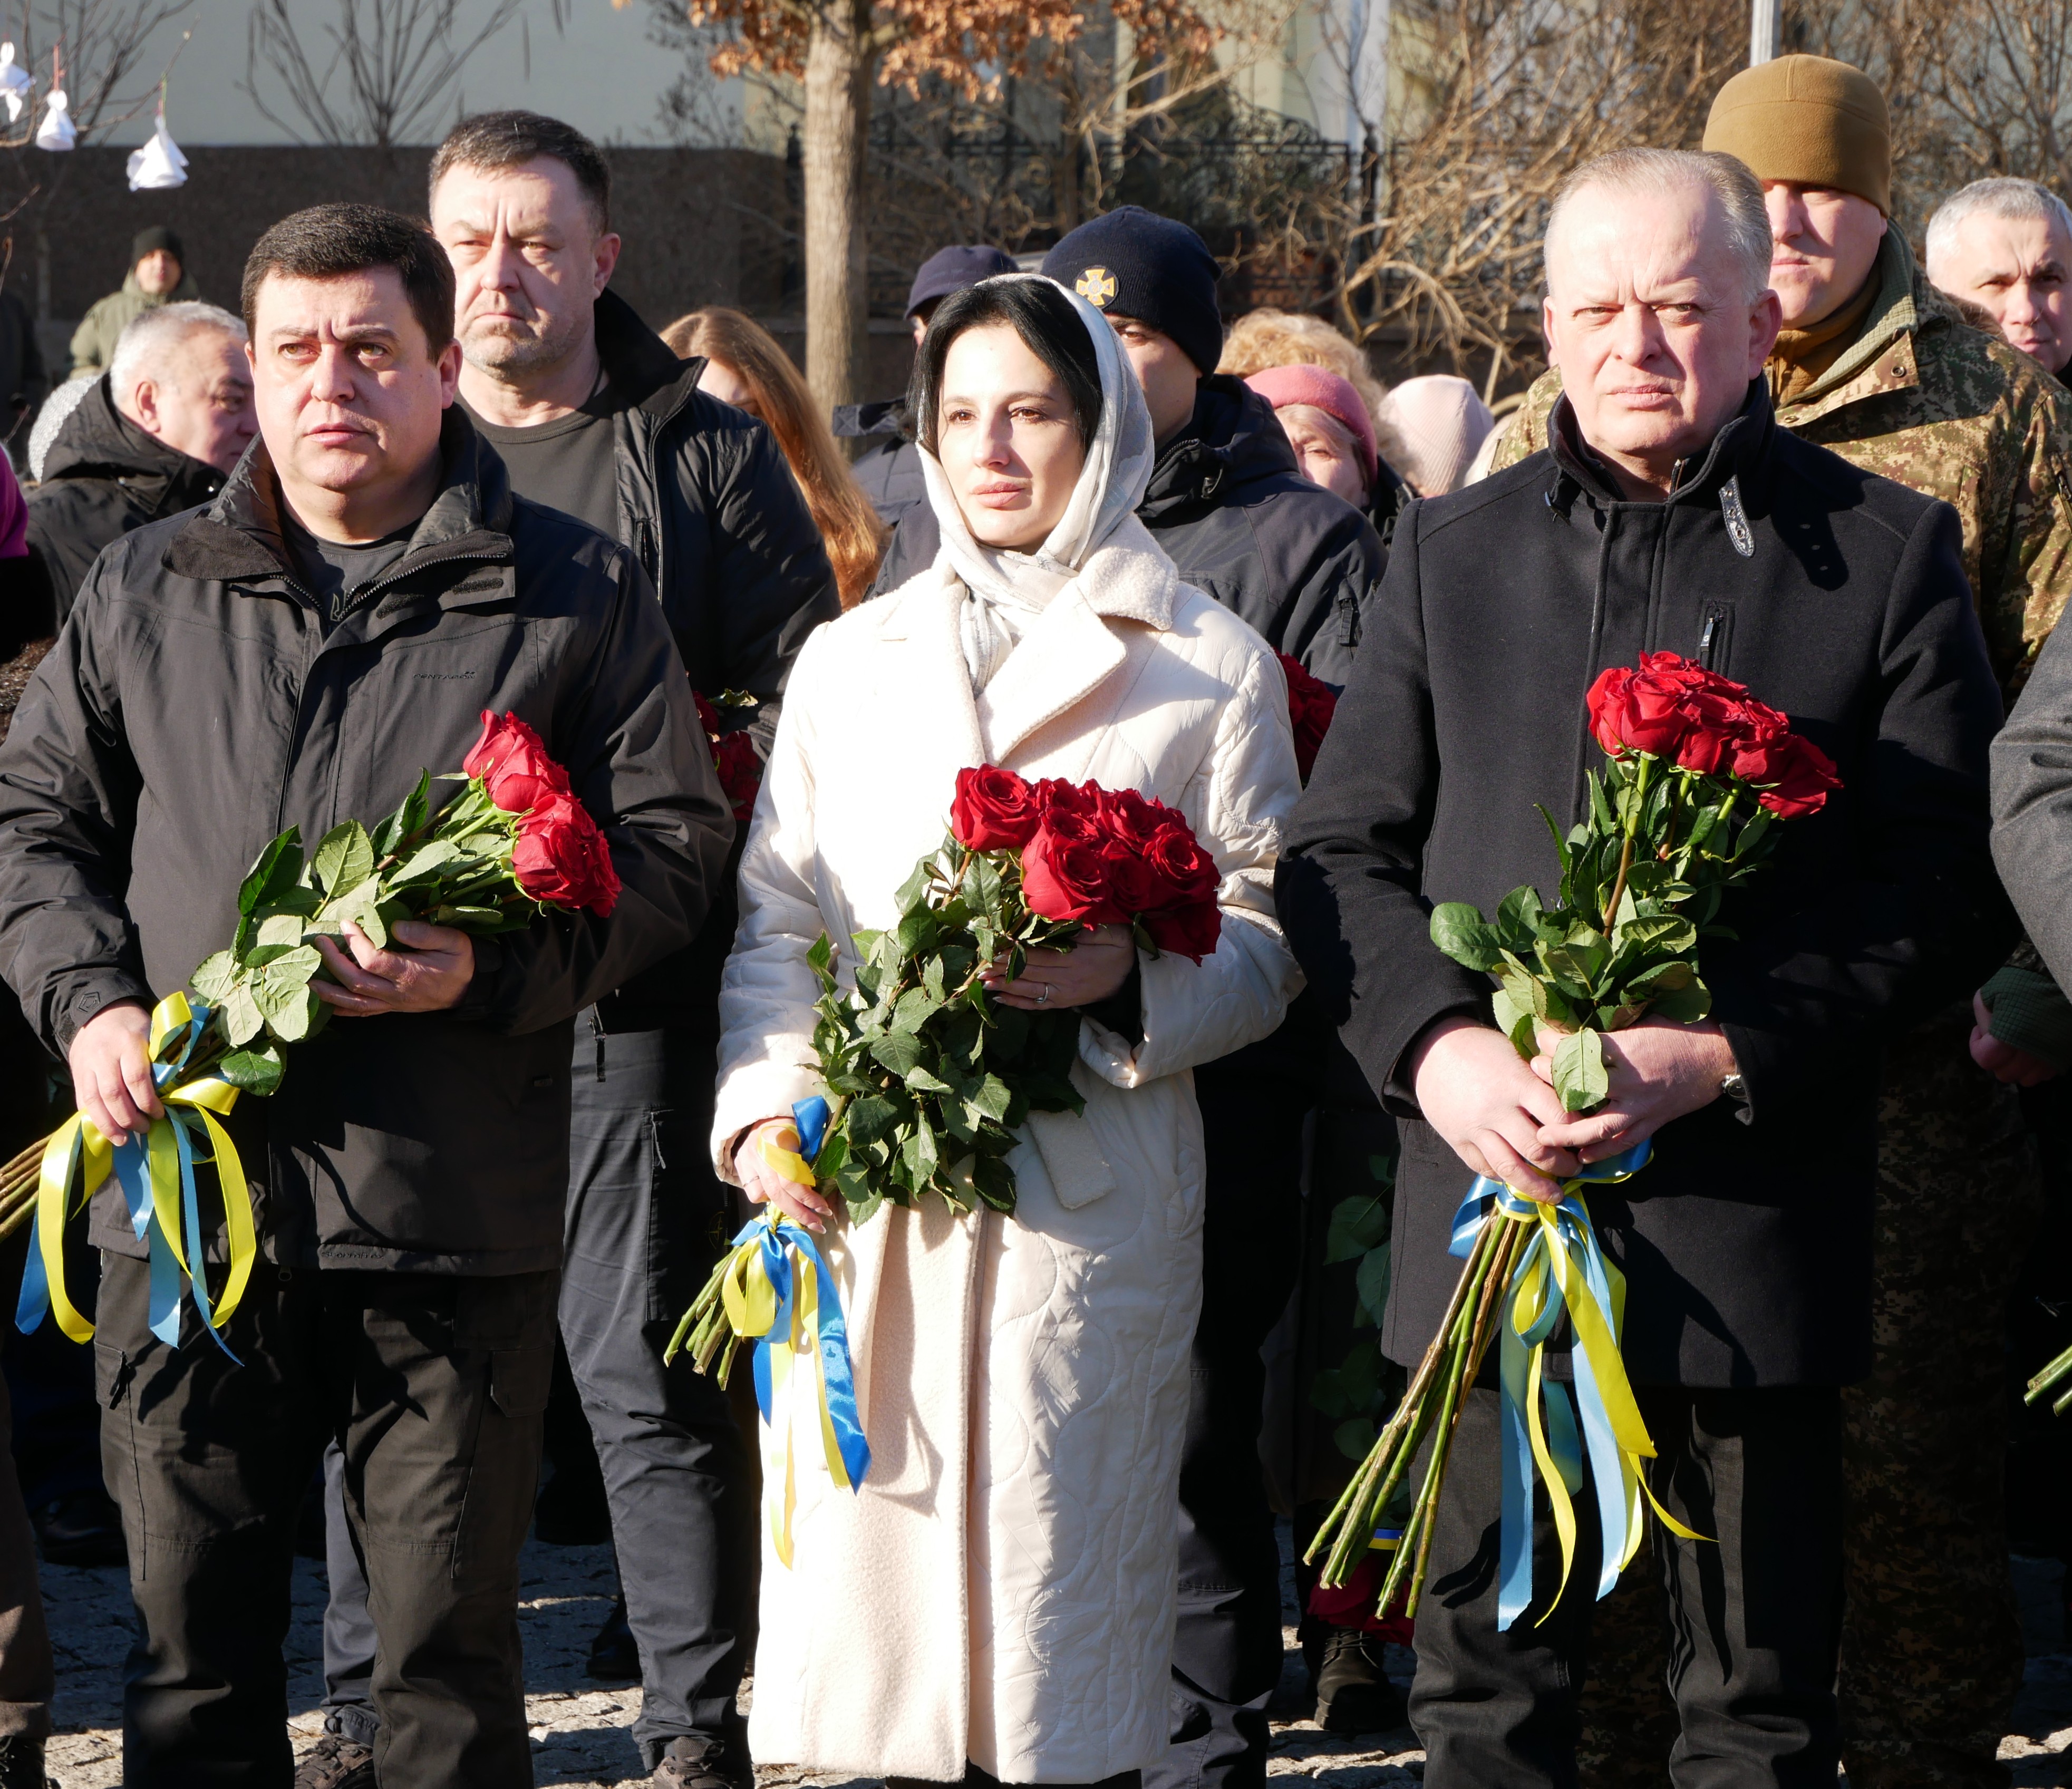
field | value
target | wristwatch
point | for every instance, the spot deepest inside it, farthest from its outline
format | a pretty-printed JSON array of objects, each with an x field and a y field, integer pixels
[{"x": 1734, "y": 1088}]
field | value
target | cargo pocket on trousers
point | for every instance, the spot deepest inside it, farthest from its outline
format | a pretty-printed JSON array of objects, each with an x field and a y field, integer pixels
[
  {"x": 520, "y": 1379},
  {"x": 114, "y": 1371}
]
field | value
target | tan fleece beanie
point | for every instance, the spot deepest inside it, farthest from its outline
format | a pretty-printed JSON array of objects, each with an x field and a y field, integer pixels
[{"x": 1808, "y": 120}]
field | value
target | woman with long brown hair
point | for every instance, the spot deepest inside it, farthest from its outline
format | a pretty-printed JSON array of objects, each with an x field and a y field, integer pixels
[{"x": 746, "y": 367}]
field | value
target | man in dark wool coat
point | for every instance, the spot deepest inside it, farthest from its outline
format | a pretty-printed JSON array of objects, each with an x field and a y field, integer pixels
[{"x": 1669, "y": 513}]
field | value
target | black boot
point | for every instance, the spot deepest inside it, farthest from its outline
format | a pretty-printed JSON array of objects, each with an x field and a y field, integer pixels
[
  {"x": 336, "y": 1762},
  {"x": 1354, "y": 1695},
  {"x": 22, "y": 1763}
]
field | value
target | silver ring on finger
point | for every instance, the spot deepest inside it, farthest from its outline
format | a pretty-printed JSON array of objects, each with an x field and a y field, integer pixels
[{"x": 1043, "y": 1000}]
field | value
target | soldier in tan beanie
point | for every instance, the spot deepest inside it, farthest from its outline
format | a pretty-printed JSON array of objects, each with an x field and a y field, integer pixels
[{"x": 1877, "y": 365}]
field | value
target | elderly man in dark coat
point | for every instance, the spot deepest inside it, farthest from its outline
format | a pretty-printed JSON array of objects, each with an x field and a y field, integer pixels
[{"x": 1669, "y": 512}]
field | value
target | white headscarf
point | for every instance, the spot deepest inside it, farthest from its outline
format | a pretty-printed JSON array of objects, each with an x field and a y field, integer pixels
[{"x": 1006, "y": 589}]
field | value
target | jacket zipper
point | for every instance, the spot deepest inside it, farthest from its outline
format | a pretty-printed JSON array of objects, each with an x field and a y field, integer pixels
[{"x": 1712, "y": 635}]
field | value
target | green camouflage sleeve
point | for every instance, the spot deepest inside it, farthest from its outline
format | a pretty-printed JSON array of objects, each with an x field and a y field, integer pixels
[
  {"x": 1525, "y": 428},
  {"x": 2025, "y": 583}
]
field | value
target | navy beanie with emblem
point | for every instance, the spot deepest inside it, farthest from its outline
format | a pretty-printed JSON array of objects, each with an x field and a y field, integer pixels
[{"x": 1133, "y": 263}]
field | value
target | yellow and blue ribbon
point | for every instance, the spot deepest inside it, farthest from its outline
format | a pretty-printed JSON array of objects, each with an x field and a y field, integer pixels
[
  {"x": 156, "y": 1175},
  {"x": 1562, "y": 1271},
  {"x": 778, "y": 1291}
]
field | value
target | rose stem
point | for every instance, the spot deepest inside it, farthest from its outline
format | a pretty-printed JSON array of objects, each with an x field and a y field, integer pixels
[
  {"x": 2044, "y": 1380},
  {"x": 1626, "y": 852},
  {"x": 1500, "y": 1277},
  {"x": 1456, "y": 1335},
  {"x": 1351, "y": 1499}
]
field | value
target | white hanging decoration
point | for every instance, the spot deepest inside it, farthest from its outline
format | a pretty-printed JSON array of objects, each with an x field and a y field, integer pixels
[
  {"x": 56, "y": 131},
  {"x": 159, "y": 163},
  {"x": 14, "y": 82}
]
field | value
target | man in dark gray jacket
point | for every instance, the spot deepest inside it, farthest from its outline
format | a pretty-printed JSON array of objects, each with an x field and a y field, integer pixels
[
  {"x": 363, "y": 588},
  {"x": 1670, "y": 513}
]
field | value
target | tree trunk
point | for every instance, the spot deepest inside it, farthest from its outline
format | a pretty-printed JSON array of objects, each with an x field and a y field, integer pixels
[{"x": 839, "y": 64}]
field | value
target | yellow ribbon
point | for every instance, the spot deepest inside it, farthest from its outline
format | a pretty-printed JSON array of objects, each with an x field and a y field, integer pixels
[{"x": 78, "y": 1144}]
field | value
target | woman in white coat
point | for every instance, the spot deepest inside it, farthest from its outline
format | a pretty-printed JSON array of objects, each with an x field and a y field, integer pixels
[{"x": 997, "y": 1601}]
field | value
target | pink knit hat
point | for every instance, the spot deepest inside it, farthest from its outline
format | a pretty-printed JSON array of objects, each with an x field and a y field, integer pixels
[{"x": 1322, "y": 389}]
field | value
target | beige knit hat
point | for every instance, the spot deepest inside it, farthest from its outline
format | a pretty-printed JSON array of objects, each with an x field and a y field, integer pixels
[
  {"x": 1438, "y": 424},
  {"x": 1808, "y": 120}
]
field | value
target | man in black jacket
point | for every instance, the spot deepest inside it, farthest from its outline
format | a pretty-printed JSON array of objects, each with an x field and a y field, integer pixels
[
  {"x": 364, "y": 587},
  {"x": 593, "y": 414},
  {"x": 157, "y": 433},
  {"x": 1670, "y": 513}
]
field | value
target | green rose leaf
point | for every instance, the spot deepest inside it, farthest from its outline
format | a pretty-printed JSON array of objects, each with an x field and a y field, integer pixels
[
  {"x": 1372, "y": 1282},
  {"x": 1684, "y": 1006},
  {"x": 872, "y": 1118},
  {"x": 242, "y": 1020},
  {"x": 281, "y": 929},
  {"x": 215, "y": 977},
  {"x": 344, "y": 858},
  {"x": 275, "y": 871},
  {"x": 900, "y": 1052},
  {"x": 427, "y": 859},
  {"x": 912, "y": 1009},
  {"x": 255, "y": 1072},
  {"x": 1354, "y": 1437},
  {"x": 1357, "y": 1224},
  {"x": 1460, "y": 931},
  {"x": 1580, "y": 1078}
]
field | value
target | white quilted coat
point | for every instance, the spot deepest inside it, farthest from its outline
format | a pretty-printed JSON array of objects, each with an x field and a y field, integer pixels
[{"x": 1002, "y": 1588}]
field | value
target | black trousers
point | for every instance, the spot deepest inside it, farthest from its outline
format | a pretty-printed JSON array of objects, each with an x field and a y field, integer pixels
[
  {"x": 646, "y": 1219},
  {"x": 434, "y": 1386},
  {"x": 1227, "y": 1647},
  {"x": 1754, "y": 1613}
]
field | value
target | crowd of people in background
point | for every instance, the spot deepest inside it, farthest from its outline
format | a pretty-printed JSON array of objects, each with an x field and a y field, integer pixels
[{"x": 264, "y": 564}]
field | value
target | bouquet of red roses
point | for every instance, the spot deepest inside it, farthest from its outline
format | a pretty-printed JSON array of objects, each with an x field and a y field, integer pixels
[
  {"x": 733, "y": 750},
  {"x": 927, "y": 1076},
  {"x": 1311, "y": 703},
  {"x": 1698, "y": 772},
  {"x": 516, "y": 843}
]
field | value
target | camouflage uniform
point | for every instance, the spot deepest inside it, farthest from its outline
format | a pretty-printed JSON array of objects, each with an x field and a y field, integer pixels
[{"x": 1932, "y": 1654}]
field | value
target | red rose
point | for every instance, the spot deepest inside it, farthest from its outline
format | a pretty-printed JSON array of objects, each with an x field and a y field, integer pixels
[
  {"x": 1190, "y": 931},
  {"x": 740, "y": 772},
  {"x": 512, "y": 764},
  {"x": 994, "y": 810},
  {"x": 1795, "y": 776},
  {"x": 708, "y": 715},
  {"x": 1067, "y": 810},
  {"x": 1133, "y": 886},
  {"x": 1311, "y": 704},
  {"x": 1636, "y": 710},
  {"x": 1187, "y": 872},
  {"x": 562, "y": 859},
  {"x": 1129, "y": 815},
  {"x": 1067, "y": 878}
]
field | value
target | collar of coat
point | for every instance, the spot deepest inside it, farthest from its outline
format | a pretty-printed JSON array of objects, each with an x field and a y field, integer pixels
[
  {"x": 644, "y": 370},
  {"x": 1884, "y": 357},
  {"x": 1066, "y": 653},
  {"x": 238, "y": 537},
  {"x": 1738, "y": 455}
]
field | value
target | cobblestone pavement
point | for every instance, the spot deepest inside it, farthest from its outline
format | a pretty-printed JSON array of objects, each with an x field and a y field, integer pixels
[{"x": 581, "y": 1729}]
